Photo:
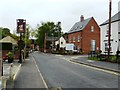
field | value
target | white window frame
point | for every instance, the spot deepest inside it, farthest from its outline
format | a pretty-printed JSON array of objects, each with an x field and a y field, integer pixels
[
  {"x": 92, "y": 28},
  {"x": 74, "y": 38},
  {"x": 70, "y": 39},
  {"x": 78, "y": 38}
]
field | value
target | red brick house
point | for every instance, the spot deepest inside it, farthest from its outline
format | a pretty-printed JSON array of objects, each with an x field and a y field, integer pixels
[{"x": 85, "y": 35}]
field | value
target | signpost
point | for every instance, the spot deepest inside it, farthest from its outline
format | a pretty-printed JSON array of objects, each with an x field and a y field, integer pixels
[{"x": 21, "y": 28}]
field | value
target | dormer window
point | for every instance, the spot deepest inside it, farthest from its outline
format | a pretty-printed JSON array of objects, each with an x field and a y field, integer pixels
[{"x": 81, "y": 26}]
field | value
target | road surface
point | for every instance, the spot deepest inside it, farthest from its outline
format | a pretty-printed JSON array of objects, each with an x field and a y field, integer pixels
[{"x": 58, "y": 72}]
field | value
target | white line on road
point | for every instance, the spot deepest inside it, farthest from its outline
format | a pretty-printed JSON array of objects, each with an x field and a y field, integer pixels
[
  {"x": 17, "y": 72},
  {"x": 40, "y": 74}
]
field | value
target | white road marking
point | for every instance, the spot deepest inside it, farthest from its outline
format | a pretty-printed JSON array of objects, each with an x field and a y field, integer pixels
[
  {"x": 40, "y": 74},
  {"x": 17, "y": 72}
]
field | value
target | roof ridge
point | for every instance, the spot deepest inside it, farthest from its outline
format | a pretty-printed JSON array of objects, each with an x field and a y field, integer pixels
[
  {"x": 78, "y": 26},
  {"x": 114, "y": 18}
]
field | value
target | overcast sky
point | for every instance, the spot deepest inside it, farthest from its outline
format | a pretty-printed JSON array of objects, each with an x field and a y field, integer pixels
[{"x": 66, "y": 11}]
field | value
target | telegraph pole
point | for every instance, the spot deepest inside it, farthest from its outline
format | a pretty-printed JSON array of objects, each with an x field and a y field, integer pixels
[
  {"x": 45, "y": 43},
  {"x": 109, "y": 32}
]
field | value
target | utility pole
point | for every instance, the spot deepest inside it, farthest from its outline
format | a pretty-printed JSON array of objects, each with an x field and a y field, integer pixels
[
  {"x": 109, "y": 32},
  {"x": 59, "y": 33},
  {"x": 45, "y": 43}
]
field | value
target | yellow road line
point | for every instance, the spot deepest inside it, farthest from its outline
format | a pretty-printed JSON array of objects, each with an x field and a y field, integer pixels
[{"x": 111, "y": 72}]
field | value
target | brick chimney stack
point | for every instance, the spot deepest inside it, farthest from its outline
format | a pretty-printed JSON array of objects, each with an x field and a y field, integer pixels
[{"x": 82, "y": 18}]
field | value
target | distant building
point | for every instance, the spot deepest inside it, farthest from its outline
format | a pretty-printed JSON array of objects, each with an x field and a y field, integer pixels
[
  {"x": 62, "y": 42},
  {"x": 85, "y": 35},
  {"x": 115, "y": 34}
]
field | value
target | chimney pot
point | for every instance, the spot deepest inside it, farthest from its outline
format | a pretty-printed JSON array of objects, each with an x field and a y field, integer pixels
[{"x": 82, "y": 18}]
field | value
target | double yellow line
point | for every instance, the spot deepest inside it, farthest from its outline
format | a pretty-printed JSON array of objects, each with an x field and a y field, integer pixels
[{"x": 107, "y": 71}]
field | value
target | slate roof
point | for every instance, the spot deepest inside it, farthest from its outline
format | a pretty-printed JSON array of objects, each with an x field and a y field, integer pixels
[
  {"x": 115, "y": 18},
  {"x": 78, "y": 26}
]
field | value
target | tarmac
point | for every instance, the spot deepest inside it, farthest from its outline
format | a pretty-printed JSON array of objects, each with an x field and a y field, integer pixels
[{"x": 26, "y": 74}]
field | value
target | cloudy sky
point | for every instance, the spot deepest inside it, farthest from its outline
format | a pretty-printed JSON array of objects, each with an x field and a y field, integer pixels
[{"x": 66, "y": 11}]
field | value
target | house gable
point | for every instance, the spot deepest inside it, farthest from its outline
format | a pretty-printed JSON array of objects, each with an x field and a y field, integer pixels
[{"x": 93, "y": 23}]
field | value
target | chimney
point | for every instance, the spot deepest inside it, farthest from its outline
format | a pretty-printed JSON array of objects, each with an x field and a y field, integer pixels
[{"x": 82, "y": 18}]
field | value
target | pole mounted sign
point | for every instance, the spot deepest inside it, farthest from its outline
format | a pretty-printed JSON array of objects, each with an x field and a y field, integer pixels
[
  {"x": 21, "y": 25},
  {"x": 21, "y": 28}
]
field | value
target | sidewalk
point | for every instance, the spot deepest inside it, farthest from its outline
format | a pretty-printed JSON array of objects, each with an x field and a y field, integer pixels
[
  {"x": 29, "y": 76},
  {"x": 14, "y": 72},
  {"x": 99, "y": 64}
]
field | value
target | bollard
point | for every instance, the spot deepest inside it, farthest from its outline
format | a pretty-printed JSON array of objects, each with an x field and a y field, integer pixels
[
  {"x": 11, "y": 72},
  {"x": 3, "y": 83}
]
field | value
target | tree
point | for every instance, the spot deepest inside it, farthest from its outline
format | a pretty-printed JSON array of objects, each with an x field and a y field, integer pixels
[
  {"x": 27, "y": 35},
  {"x": 4, "y": 32},
  {"x": 50, "y": 28}
]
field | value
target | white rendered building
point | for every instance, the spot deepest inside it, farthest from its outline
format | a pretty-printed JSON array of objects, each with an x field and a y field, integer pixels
[{"x": 115, "y": 34}]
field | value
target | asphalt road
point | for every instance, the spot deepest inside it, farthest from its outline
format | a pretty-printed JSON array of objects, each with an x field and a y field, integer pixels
[{"x": 58, "y": 72}]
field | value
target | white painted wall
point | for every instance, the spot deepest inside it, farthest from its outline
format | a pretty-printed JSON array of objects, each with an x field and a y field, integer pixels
[
  {"x": 119, "y": 34},
  {"x": 61, "y": 40},
  {"x": 114, "y": 36}
]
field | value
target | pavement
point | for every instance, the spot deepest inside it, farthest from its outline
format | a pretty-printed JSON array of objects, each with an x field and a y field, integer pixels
[
  {"x": 14, "y": 72},
  {"x": 115, "y": 67},
  {"x": 29, "y": 76}
]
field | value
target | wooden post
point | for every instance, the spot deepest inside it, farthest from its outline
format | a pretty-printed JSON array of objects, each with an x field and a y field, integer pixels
[
  {"x": 45, "y": 43},
  {"x": 109, "y": 33}
]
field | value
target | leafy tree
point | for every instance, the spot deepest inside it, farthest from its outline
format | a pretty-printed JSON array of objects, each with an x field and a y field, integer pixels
[
  {"x": 4, "y": 32},
  {"x": 27, "y": 35},
  {"x": 15, "y": 36},
  {"x": 50, "y": 28}
]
